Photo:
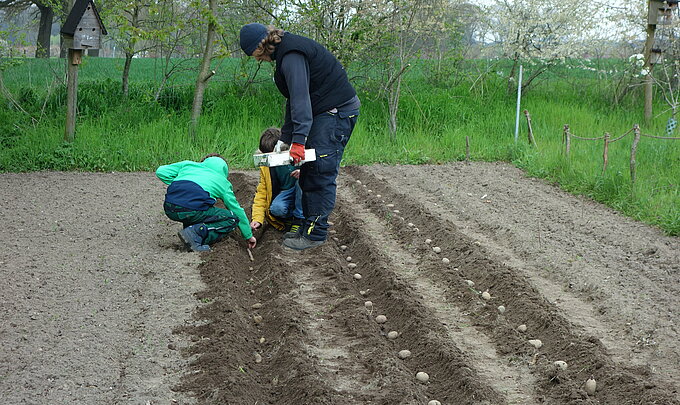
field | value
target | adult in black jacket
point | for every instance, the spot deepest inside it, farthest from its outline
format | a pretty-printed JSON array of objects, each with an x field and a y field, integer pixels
[{"x": 321, "y": 110}]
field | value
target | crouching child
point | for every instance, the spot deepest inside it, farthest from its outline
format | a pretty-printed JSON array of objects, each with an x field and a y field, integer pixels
[{"x": 193, "y": 190}]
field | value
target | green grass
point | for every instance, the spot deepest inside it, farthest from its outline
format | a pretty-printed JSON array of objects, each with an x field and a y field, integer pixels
[{"x": 133, "y": 134}]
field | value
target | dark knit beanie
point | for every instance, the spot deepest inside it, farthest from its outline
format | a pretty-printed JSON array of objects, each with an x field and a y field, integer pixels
[{"x": 251, "y": 36}]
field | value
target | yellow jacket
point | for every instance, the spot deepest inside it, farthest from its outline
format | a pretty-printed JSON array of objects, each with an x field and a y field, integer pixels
[{"x": 263, "y": 199}]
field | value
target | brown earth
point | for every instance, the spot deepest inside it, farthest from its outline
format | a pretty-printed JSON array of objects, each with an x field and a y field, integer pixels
[{"x": 100, "y": 305}]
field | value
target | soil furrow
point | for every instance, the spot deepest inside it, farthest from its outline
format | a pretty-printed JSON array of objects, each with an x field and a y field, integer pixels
[
  {"x": 452, "y": 379},
  {"x": 328, "y": 342},
  {"x": 525, "y": 305},
  {"x": 590, "y": 261},
  {"x": 512, "y": 379}
]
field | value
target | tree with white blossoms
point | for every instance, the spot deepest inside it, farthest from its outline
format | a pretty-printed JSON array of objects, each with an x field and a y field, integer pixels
[{"x": 540, "y": 33}]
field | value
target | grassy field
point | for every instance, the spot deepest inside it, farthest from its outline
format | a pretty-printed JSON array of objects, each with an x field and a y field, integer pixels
[{"x": 136, "y": 133}]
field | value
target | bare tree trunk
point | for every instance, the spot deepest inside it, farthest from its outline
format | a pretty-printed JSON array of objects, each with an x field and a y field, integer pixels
[
  {"x": 126, "y": 73},
  {"x": 42, "y": 49},
  {"x": 511, "y": 88},
  {"x": 393, "y": 88},
  {"x": 205, "y": 73},
  {"x": 393, "y": 107}
]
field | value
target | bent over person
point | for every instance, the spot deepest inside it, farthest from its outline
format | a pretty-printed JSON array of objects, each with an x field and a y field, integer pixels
[
  {"x": 193, "y": 190},
  {"x": 321, "y": 110}
]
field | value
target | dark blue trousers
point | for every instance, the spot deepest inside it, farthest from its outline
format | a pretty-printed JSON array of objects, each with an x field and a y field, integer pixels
[{"x": 329, "y": 135}]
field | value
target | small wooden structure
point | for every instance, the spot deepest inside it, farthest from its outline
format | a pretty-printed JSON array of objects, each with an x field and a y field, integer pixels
[
  {"x": 661, "y": 11},
  {"x": 82, "y": 30}
]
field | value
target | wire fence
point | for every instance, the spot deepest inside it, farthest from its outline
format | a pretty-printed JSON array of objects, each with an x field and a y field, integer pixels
[{"x": 635, "y": 130}]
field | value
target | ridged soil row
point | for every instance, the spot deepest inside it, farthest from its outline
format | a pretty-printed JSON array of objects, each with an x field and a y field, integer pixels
[
  {"x": 510, "y": 379},
  {"x": 524, "y": 304},
  {"x": 248, "y": 337},
  {"x": 452, "y": 378}
]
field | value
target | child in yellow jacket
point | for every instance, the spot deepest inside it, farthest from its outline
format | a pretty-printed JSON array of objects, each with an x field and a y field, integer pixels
[{"x": 278, "y": 199}]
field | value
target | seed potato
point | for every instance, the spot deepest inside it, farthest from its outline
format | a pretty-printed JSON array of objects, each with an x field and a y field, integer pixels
[
  {"x": 404, "y": 354},
  {"x": 422, "y": 377},
  {"x": 591, "y": 386},
  {"x": 536, "y": 343}
]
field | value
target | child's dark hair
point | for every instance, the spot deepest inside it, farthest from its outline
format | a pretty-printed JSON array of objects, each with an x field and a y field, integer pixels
[
  {"x": 213, "y": 155},
  {"x": 268, "y": 139}
]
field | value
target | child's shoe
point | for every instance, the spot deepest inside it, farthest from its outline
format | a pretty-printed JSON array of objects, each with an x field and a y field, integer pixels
[
  {"x": 294, "y": 230},
  {"x": 191, "y": 236}
]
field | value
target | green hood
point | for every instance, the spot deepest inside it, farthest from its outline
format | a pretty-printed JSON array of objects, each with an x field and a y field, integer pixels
[{"x": 217, "y": 164}]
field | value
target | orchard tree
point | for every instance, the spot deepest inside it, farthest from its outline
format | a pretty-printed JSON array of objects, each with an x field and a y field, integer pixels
[
  {"x": 46, "y": 12},
  {"x": 134, "y": 25},
  {"x": 175, "y": 24},
  {"x": 389, "y": 36},
  {"x": 540, "y": 33},
  {"x": 205, "y": 73}
]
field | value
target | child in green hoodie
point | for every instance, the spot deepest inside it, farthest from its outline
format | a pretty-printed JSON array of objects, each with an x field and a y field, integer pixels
[{"x": 193, "y": 190}]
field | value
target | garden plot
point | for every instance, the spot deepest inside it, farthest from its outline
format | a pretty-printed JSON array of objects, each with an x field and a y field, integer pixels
[
  {"x": 427, "y": 278},
  {"x": 454, "y": 271}
]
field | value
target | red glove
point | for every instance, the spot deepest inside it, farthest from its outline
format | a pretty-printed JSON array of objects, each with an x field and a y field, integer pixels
[{"x": 297, "y": 152}]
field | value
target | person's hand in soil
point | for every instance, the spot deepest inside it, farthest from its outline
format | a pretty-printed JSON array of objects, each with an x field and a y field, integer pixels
[
  {"x": 255, "y": 225},
  {"x": 252, "y": 242}
]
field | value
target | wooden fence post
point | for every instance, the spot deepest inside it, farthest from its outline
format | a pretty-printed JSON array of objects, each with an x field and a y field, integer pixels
[
  {"x": 605, "y": 154},
  {"x": 74, "y": 59},
  {"x": 530, "y": 134},
  {"x": 567, "y": 140},
  {"x": 633, "y": 151}
]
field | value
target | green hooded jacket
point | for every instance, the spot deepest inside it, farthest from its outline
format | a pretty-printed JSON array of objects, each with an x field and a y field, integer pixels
[{"x": 211, "y": 175}]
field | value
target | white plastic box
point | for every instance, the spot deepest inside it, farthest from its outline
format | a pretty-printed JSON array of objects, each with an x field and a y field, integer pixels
[{"x": 281, "y": 158}]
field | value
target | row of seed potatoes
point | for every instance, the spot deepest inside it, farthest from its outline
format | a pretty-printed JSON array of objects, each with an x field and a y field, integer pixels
[
  {"x": 590, "y": 385},
  {"x": 380, "y": 319}
]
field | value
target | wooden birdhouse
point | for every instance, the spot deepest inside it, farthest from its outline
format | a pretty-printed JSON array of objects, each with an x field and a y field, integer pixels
[
  {"x": 661, "y": 11},
  {"x": 83, "y": 28},
  {"x": 655, "y": 56}
]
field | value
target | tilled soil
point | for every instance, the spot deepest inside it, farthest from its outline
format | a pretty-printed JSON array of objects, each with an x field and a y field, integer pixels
[{"x": 598, "y": 289}]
